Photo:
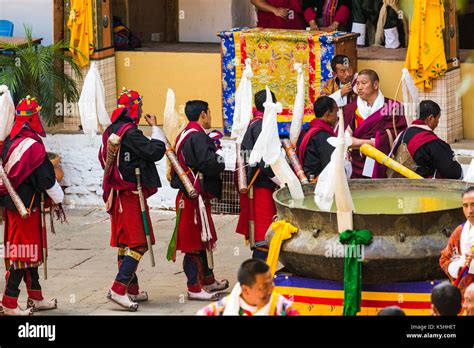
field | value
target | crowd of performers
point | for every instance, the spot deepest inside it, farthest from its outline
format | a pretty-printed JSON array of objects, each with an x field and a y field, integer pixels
[{"x": 28, "y": 180}]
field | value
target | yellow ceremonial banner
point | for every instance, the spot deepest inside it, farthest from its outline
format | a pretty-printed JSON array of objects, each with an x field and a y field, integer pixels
[
  {"x": 426, "y": 58},
  {"x": 274, "y": 53},
  {"x": 81, "y": 25}
]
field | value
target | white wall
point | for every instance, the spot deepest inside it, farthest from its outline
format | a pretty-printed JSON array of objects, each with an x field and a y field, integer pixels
[
  {"x": 200, "y": 20},
  {"x": 83, "y": 175},
  {"x": 36, "y": 13}
]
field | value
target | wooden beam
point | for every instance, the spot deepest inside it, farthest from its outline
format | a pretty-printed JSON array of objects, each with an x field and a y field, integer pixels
[
  {"x": 58, "y": 20},
  {"x": 172, "y": 20}
]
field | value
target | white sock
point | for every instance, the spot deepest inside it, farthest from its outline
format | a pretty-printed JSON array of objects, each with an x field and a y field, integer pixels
[
  {"x": 392, "y": 39},
  {"x": 361, "y": 29}
]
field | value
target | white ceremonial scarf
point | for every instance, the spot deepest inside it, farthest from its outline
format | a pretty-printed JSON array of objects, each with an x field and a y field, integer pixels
[
  {"x": 467, "y": 238},
  {"x": 466, "y": 242},
  {"x": 365, "y": 110},
  {"x": 234, "y": 302}
]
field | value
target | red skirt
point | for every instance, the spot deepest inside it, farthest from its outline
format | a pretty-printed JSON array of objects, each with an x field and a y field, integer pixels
[
  {"x": 264, "y": 211},
  {"x": 189, "y": 225},
  {"x": 127, "y": 224},
  {"x": 22, "y": 237}
]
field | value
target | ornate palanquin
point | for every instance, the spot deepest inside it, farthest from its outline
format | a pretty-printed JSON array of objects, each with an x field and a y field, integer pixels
[{"x": 273, "y": 53}]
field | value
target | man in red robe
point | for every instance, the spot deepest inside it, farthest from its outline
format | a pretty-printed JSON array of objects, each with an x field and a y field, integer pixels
[
  {"x": 314, "y": 151},
  {"x": 372, "y": 119},
  {"x": 457, "y": 258},
  {"x": 280, "y": 14},
  {"x": 433, "y": 157},
  {"x": 121, "y": 195},
  {"x": 264, "y": 184},
  {"x": 196, "y": 234},
  {"x": 32, "y": 176}
]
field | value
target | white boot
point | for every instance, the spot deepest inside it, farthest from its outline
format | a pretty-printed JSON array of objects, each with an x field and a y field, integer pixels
[
  {"x": 217, "y": 286},
  {"x": 42, "y": 305},
  {"x": 202, "y": 296},
  {"x": 122, "y": 300},
  {"x": 392, "y": 38},
  {"x": 17, "y": 311},
  {"x": 141, "y": 297},
  {"x": 361, "y": 29}
]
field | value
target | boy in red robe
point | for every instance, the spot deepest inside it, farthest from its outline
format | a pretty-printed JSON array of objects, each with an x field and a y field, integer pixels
[{"x": 31, "y": 174}]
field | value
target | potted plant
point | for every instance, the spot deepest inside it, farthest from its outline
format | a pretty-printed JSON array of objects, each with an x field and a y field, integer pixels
[{"x": 37, "y": 70}]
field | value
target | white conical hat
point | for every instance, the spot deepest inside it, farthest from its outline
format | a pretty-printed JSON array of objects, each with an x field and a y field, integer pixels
[{"x": 7, "y": 112}]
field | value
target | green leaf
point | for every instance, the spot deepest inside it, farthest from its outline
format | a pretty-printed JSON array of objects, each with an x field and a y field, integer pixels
[{"x": 33, "y": 70}]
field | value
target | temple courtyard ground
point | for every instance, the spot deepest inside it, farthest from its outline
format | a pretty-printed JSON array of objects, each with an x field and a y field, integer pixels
[{"x": 82, "y": 266}]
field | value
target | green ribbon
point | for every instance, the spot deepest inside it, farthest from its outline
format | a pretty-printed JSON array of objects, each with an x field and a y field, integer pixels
[
  {"x": 353, "y": 269},
  {"x": 171, "y": 254}
]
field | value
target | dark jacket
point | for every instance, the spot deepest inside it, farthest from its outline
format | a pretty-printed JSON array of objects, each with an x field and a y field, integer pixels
[
  {"x": 434, "y": 157},
  {"x": 250, "y": 138},
  {"x": 199, "y": 152},
  {"x": 137, "y": 151},
  {"x": 317, "y": 155}
]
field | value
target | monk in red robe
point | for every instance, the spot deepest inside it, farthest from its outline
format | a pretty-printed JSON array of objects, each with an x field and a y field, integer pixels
[
  {"x": 280, "y": 14},
  {"x": 456, "y": 258},
  {"x": 372, "y": 119}
]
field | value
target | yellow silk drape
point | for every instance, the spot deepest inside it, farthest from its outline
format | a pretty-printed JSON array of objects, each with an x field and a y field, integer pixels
[
  {"x": 426, "y": 58},
  {"x": 81, "y": 25},
  {"x": 283, "y": 231}
]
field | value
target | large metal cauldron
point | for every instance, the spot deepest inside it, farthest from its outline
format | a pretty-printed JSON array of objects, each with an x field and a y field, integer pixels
[{"x": 405, "y": 247}]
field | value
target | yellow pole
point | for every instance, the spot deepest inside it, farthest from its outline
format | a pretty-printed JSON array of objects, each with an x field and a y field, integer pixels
[{"x": 380, "y": 157}]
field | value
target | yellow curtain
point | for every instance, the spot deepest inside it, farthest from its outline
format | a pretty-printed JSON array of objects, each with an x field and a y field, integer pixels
[
  {"x": 426, "y": 59},
  {"x": 81, "y": 25}
]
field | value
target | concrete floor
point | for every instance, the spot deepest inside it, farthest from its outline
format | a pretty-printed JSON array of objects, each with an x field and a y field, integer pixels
[{"x": 82, "y": 266}]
